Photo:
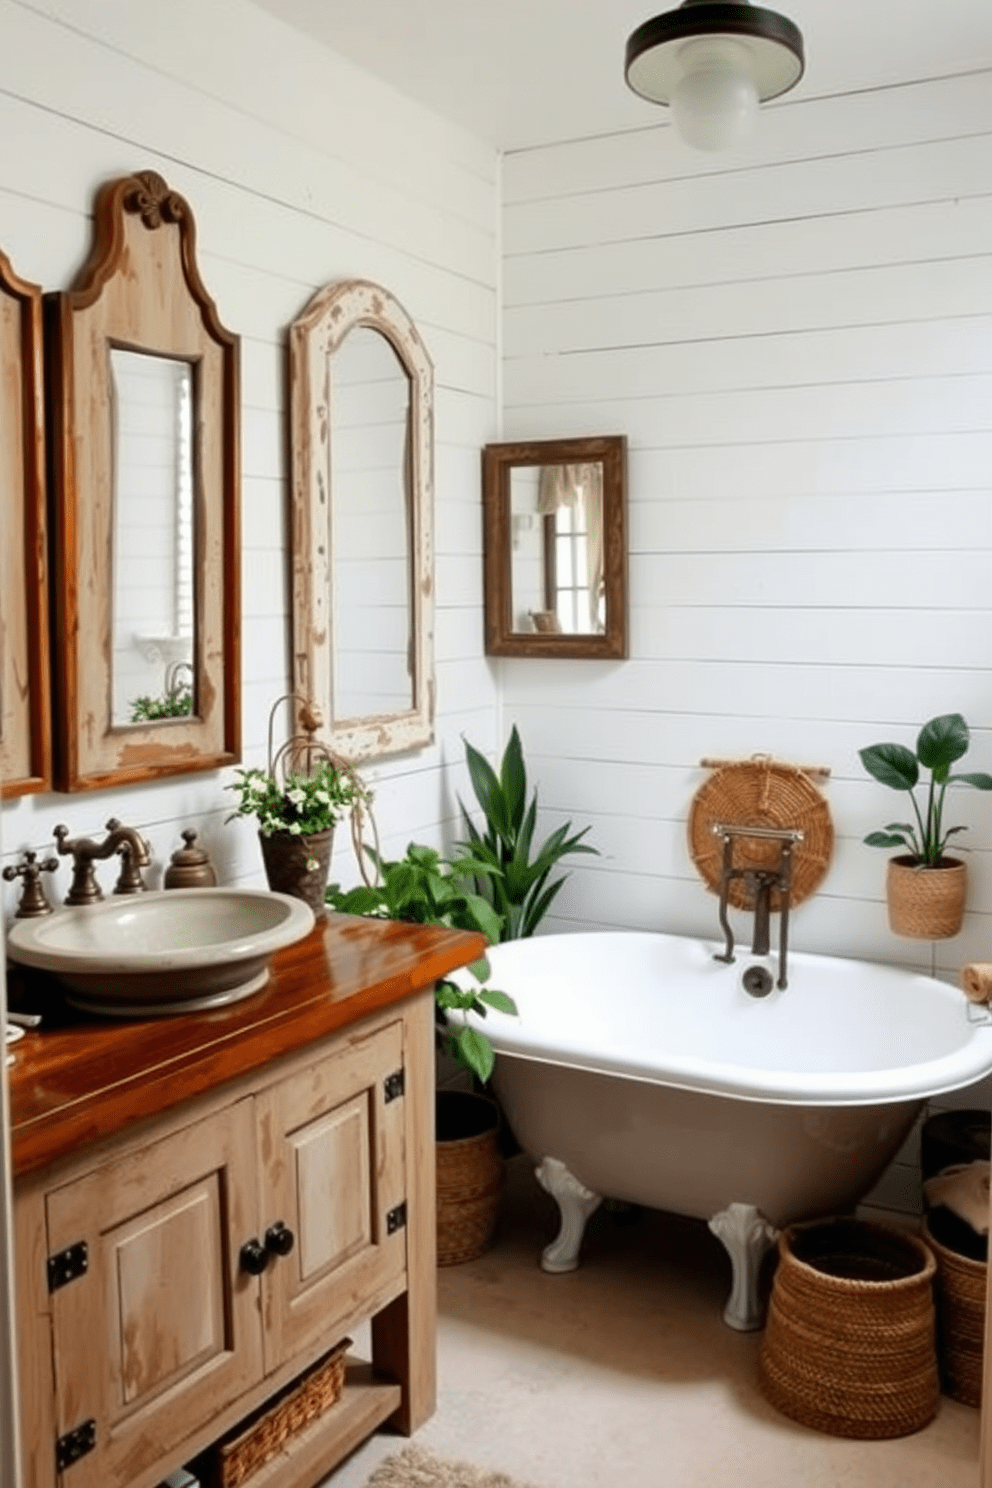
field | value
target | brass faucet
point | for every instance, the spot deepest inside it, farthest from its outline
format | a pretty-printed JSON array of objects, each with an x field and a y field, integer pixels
[
  {"x": 760, "y": 882},
  {"x": 131, "y": 846}
]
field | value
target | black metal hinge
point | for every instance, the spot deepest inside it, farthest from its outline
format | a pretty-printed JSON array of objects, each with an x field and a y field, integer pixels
[
  {"x": 75, "y": 1444},
  {"x": 67, "y": 1264},
  {"x": 395, "y": 1086},
  {"x": 396, "y": 1219}
]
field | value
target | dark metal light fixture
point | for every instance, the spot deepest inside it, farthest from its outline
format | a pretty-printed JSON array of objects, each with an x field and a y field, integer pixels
[{"x": 712, "y": 64}]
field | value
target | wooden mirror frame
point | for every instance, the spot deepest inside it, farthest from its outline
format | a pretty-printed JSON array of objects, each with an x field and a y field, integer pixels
[
  {"x": 314, "y": 336},
  {"x": 140, "y": 290},
  {"x": 498, "y": 463},
  {"x": 25, "y": 737}
]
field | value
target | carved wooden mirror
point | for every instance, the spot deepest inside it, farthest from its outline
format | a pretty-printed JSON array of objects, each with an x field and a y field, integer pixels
[
  {"x": 555, "y": 547},
  {"x": 145, "y": 432},
  {"x": 362, "y": 418},
  {"x": 25, "y": 731}
]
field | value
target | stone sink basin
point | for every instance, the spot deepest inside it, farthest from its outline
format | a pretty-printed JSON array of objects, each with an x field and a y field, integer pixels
[{"x": 175, "y": 951}]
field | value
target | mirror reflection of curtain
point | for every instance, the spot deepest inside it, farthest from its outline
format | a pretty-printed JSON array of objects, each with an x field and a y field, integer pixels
[{"x": 580, "y": 487}]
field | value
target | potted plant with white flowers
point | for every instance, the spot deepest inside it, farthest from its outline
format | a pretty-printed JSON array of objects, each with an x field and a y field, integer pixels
[
  {"x": 296, "y": 816},
  {"x": 925, "y": 889}
]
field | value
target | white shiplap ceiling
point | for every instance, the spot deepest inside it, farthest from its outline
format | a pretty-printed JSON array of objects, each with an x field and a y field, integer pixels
[{"x": 525, "y": 72}]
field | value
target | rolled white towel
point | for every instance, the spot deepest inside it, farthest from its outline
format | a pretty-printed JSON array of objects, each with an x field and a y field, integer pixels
[{"x": 964, "y": 1189}]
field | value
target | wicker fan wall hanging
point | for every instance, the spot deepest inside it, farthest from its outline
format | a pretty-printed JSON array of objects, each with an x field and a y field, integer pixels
[{"x": 770, "y": 794}]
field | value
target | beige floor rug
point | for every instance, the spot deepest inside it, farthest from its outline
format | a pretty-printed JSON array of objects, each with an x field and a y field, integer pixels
[{"x": 415, "y": 1467}]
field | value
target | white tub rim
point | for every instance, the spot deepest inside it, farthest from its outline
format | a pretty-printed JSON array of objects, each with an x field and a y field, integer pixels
[{"x": 915, "y": 1081}]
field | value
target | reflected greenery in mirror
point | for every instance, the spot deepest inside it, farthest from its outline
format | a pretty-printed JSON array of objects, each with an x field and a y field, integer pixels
[
  {"x": 154, "y": 614},
  {"x": 145, "y": 439}
]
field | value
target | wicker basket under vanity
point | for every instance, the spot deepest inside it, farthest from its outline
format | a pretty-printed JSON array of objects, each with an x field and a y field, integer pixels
[
  {"x": 849, "y": 1346},
  {"x": 235, "y": 1460}
]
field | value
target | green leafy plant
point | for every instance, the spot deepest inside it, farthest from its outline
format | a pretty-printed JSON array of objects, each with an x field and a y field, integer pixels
[
  {"x": 176, "y": 704},
  {"x": 423, "y": 888},
  {"x": 940, "y": 744},
  {"x": 517, "y": 879},
  {"x": 300, "y": 804}
]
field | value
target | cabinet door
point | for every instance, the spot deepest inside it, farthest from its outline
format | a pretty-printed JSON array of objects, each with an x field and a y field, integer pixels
[
  {"x": 332, "y": 1169},
  {"x": 162, "y": 1330}
]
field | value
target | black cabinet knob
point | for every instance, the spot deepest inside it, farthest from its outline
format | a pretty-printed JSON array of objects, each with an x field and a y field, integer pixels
[
  {"x": 279, "y": 1240},
  {"x": 254, "y": 1258}
]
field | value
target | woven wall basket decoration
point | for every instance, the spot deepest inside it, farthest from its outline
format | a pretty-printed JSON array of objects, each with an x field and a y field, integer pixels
[{"x": 761, "y": 792}]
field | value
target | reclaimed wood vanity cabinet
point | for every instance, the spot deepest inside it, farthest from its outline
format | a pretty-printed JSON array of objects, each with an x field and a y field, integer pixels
[{"x": 243, "y": 1190}]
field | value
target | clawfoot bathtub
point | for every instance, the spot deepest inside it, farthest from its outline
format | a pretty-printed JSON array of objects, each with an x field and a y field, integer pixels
[{"x": 640, "y": 1069}]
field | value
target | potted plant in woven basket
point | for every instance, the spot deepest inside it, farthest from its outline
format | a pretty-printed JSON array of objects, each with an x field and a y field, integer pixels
[
  {"x": 499, "y": 882},
  {"x": 925, "y": 889},
  {"x": 423, "y": 888}
]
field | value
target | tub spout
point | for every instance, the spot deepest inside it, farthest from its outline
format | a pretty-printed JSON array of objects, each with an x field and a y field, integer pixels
[
  {"x": 761, "y": 885},
  {"x": 760, "y": 882}
]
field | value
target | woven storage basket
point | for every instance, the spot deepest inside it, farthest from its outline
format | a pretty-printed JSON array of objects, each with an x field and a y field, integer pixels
[
  {"x": 925, "y": 903},
  {"x": 761, "y": 792},
  {"x": 960, "y": 1287},
  {"x": 849, "y": 1345},
  {"x": 470, "y": 1175},
  {"x": 230, "y": 1463},
  {"x": 960, "y": 1136}
]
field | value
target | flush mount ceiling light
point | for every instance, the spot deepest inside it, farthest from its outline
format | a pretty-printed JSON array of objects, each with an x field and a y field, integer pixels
[{"x": 712, "y": 64}]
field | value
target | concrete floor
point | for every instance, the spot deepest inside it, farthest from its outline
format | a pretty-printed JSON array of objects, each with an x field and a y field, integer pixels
[{"x": 623, "y": 1372}]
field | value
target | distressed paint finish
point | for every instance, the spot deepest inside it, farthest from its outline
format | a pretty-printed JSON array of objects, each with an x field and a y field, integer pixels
[
  {"x": 140, "y": 289},
  {"x": 314, "y": 337},
  {"x": 25, "y": 729}
]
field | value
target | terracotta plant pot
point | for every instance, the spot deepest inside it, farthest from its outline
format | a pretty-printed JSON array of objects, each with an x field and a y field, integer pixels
[
  {"x": 925, "y": 903},
  {"x": 298, "y": 865},
  {"x": 470, "y": 1174}
]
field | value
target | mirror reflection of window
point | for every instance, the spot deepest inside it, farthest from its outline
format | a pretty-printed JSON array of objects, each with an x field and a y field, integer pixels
[
  {"x": 370, "y": 538},
  {"x": 556, "y": 517},
  {"x": 153, "y": 594}
]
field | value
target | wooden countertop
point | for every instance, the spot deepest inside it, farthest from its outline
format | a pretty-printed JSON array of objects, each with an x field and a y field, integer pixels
[{"x": 82, "y": 1077}]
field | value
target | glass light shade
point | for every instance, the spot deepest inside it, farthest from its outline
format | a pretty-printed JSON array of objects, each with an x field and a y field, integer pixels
[
  {"x": 713, "y": 62},
  {"x": 715, "y": 102}
]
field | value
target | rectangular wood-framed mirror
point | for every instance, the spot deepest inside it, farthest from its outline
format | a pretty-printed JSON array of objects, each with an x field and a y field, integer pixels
[
  {"x": 555, "y": 547},
  {"x": 144, "y": 400},
  {"x": 25, "y": 726}
]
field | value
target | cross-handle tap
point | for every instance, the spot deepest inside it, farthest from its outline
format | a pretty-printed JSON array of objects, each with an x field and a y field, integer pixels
[
  {"x": 126, "y": 841},
  {"x": 34, "y": 901}
]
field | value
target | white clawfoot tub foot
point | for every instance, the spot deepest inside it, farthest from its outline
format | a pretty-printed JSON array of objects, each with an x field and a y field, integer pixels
[
  {"x": 748, "y": 1237},
  {"x": 575, "y": 1204}
]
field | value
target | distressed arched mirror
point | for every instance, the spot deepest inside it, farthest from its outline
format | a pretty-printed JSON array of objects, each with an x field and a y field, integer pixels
[
  {"x": 361, "y": 407},
  {"x": 555, "y": 547},
  {"x": 25, "y": 733},
  {"x": 145, "y": 432}
]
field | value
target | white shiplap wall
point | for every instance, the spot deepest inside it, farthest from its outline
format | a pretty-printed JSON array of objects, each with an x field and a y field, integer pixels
[
  {"x": 797, "y": 341},
  {"x": 300, "y": 169}
]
